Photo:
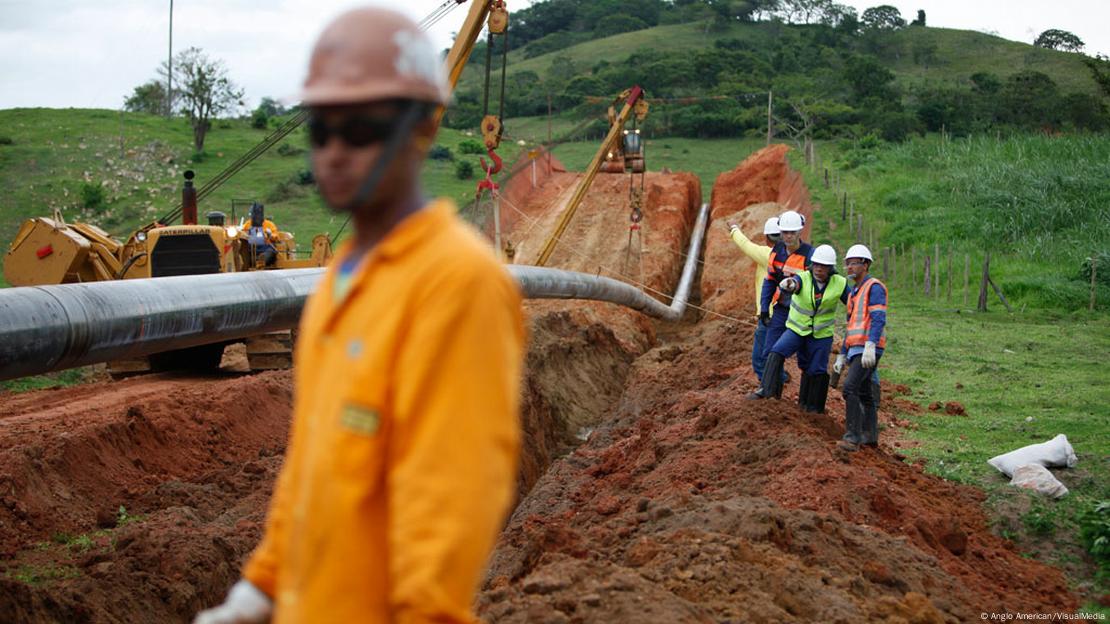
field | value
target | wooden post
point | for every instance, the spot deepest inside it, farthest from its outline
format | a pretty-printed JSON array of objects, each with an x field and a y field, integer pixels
[
  {"x": 949, "y": 297},
  {"x": 843, "y": 207},
  {"x": 1093, "y": 285},
  {"x": 913, "y": 269},
  {"x": 936, "y": 269},
  {"x": 826, "y": 177},
  {"x": 852, "y": 220},
  {"x": 983, "y": 284},
  {"x": 769, "y": 117},
  {"x": 859, "y": 229},
  {"x": 886, "y": 261},
  {"x": 894, "y": 265},
  {"x": 928, "y": 277},
  {"x": 967, "y": 274},
  {"x": 998, "y": 291}
]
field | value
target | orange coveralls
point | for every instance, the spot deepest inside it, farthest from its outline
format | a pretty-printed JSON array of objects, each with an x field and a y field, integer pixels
[{"x": 403, "y": 453}]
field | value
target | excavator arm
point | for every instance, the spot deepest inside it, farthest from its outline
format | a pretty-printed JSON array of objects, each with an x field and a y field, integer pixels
[{"x": 635, "y": 96}]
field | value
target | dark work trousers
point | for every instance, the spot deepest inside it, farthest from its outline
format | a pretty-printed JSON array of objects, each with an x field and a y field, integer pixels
[
  {"x": 775, "y": 329},
  {"x": 861, "y": 416},
  {"x": 813, "y": 353}
]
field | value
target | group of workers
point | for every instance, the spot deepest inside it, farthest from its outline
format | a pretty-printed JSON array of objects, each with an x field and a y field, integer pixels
[{"x": 797, "y": 297}]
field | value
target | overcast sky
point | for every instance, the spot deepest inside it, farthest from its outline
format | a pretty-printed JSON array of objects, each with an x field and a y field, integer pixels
[{"x": 91, "y": 54}]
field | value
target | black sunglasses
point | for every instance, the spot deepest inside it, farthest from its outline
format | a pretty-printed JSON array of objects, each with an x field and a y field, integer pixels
[{"x": 355, "y": 131}]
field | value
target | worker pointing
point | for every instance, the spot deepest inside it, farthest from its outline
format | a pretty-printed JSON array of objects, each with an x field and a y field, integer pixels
[
  {"x": 760, "y": 255},
  {"x": 789, "y": 256},
  {"x": 402, "y": 458},
  {"x": 863, "y": 347},
  {"x": 809, "y": 330}
]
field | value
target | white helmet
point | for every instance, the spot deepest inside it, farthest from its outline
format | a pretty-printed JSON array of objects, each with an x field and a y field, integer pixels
[
  {"x": 771, "y": 227},
  {"x": 791, "y": 221},
  {"x": 858, "y": 251},
  {"x": 825, "y": 255}
]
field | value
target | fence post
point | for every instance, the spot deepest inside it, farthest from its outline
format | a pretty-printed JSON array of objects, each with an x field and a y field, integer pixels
[
  {"x": 859, "y": 229},
  {"x": 851, "y": 218},
  {"x": 949, "y": 297},
  {"x": 886, "y": 261},
  {"x": 894, "y": 265},
  {"x": 967, "y": 273},
  {"x": 928, "y": 277},
  {"x": 913, "y": 269},
  {"x": 826, "y": 177},
  {"x": 844, "y": 208},
  {"x": 1092, "y": 306},
  {"x": 983, "y": 284},
  {"x": 936, "y": 269}
]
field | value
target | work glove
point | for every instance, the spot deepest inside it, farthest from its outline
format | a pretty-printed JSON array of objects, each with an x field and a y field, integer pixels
[
  {"x": 765, "y": 317},
  {"x": 838, "y": 365},
  {"x": 868, "y": 358},
  {"x": 245, "y": 604},
  {"x": 788, "y": 285}
]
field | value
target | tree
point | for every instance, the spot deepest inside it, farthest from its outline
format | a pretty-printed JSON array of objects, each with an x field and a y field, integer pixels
[
  {"x": 1029, "y": 99},
  {"x": 1100, "y": 71},
  {"x": 882, "y": 17},
  {"x": 149, "y": 97},
  {"x": 1054, "y": 39},
  {"x": 920, "y": 21},
  {"x": 204, "y": 90}
]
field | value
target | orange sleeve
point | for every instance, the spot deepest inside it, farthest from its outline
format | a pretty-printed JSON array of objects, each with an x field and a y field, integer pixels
[
  {"x": 455, "y": 441},
  {"x": 262, "y": 565}
]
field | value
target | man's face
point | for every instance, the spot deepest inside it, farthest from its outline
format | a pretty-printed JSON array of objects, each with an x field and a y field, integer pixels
[
  {"x": 347, "y": 142},
  {"x": 821, "y": 272},
  {"x": 790, "y": 238},
  {"x": 855, "y": 267}
]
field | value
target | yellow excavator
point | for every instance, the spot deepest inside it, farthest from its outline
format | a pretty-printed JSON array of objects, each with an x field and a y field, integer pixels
[
  {"x": 48, "y": 250},
  {"x": 627, "y": 154}
]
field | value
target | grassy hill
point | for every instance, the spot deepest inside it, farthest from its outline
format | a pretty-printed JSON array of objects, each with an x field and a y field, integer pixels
[{"x": 957, "y": 54}]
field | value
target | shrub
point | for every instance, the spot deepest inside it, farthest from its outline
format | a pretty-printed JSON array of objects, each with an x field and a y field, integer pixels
[
  {"x": 440, "y": 152},
  {"x": 92, "y": 196},
  {"x": 1094, "y": 531},
  {"x": 464, "y": 170},
  {"x": 470, "y": 146},
  {"x": 304, "y": 177},
  {"x": 5, "y": 140},
  {"x": 287, "y": 149},
  {"x": 259, "y": 119}
]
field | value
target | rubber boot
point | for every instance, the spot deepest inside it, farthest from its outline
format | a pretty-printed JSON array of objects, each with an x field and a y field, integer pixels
[
  {"x": 818, "y": 393},
  {"x": 853, "y": 418},
  {"x": 870, "y": 424},
  {"x": 772, "y": 376},
  {"x": 804, "y": 389}
]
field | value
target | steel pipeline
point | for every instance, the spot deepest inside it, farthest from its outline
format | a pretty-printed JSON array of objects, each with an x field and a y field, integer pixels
[{"x": 48, "y": 328}]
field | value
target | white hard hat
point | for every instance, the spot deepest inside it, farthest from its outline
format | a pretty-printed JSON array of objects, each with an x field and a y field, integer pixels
[
  {"x": 771, "y": 227},
  {"x": 791, "y": 221},
  {"x": 858, "y": 251},
  {"x": 825, "y": 255}
]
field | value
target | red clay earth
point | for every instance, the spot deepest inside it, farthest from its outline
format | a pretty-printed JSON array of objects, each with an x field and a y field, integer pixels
[{"x": 685, "y": 504}]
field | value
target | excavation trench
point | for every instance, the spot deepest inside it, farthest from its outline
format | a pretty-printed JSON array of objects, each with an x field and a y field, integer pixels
[{"x": 650, "y": 491}]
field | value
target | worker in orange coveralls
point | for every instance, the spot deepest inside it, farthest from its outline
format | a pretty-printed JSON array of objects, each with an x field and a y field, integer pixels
[{"x": 402, "y": 458}]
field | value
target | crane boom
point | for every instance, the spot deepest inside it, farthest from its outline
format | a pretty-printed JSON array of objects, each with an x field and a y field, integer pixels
[{"x": 635, "y": 93}]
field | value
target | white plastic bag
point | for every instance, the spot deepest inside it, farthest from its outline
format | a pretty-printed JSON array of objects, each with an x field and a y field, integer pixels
[
  {"x": 1036, "y": 477},
  {"x": 1055, "y": 452}
]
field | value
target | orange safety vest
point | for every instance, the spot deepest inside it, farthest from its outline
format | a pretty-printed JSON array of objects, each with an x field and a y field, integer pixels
[
  {"x": 859, "y": 315},
  {"x": 795, "y": 263}
]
